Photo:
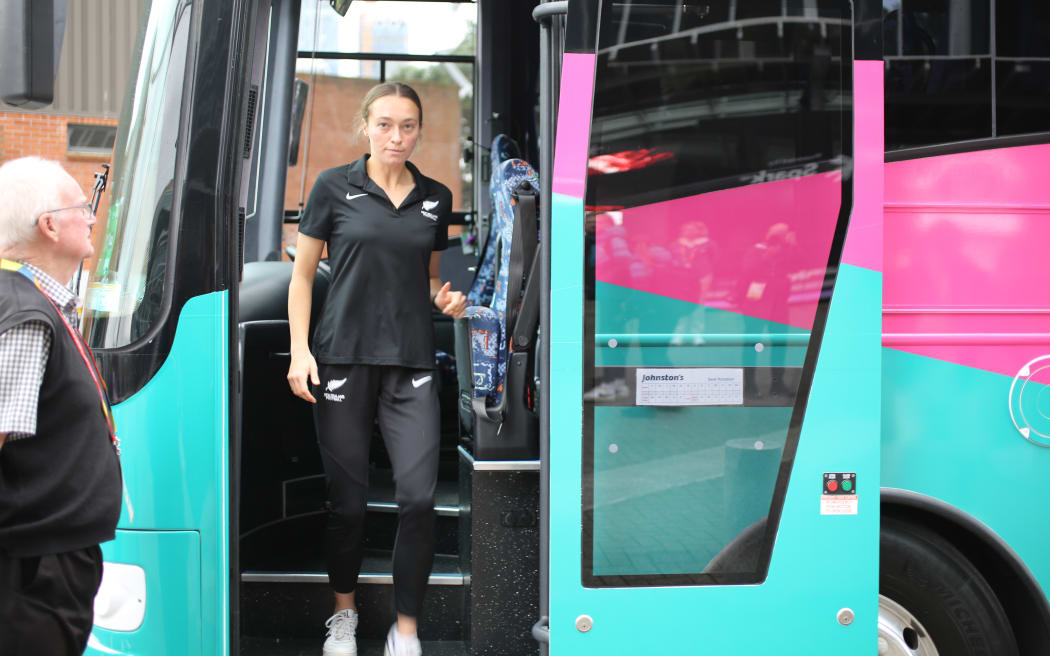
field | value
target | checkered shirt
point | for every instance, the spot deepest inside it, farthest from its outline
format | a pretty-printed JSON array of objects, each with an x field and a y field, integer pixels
[{"x": 24, "y": 351}]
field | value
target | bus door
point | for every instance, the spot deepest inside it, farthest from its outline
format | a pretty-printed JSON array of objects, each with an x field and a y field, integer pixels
[{"x": 715, "y": 386}]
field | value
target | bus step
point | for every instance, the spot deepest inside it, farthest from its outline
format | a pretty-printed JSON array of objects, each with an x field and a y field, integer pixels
[
  {"x": 295, "y": 604},
  {"x": 312, "y": 647},
  {"x": 375, "y": 569},
  {"x": 308, "y": 494},
  {"x": 297, "y": 543},
  {"x": 381, "y": 495}
]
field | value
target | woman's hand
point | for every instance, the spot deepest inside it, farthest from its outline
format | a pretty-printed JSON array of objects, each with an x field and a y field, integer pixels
[
  {"x": 302, "y": 368},
  {"x": 449, "y": 302}
]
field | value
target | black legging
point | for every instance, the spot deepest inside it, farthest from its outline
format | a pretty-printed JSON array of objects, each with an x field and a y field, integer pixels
[{"x": 406, "y": 402}]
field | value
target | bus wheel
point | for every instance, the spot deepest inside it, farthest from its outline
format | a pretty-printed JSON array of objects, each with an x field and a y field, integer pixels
[{"x": 933, "y": 601}]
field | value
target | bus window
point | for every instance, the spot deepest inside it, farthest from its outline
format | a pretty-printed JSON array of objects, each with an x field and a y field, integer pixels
[
  {"x": 714, "y": 189},
  {"x": 948, "y": 80},
  {"x": 341, "y": 58},
  {"x": 939, "y": 77},
  {"x": 1022, "y": 75},
  {"x": 128, "y": 291}
]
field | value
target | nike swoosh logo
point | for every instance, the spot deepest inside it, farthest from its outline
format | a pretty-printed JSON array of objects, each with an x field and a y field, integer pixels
[
  {"x": 417, "y": 382},
  {"x": 349, "y": 197}
]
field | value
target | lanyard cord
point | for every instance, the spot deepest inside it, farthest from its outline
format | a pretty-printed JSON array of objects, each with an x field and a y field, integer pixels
[{"x": 83, "y": 349}]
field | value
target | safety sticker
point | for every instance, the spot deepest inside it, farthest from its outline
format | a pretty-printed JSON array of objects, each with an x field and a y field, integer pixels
[
  {"x": 839, "y": 494},
  {"x": 689, "y": 386}
]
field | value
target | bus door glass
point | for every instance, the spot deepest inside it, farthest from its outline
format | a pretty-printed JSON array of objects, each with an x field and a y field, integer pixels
[{"x": 716, "y": 198}]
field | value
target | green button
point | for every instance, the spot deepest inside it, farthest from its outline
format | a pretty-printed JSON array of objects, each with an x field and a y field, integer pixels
[{"x": 847, "y": 485}]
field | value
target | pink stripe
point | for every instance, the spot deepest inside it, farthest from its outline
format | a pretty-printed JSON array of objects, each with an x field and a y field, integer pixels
[
  {"x": 863, "y": 246},
  {"x": 574, "y": 121},
  {"x": 998, "y": 176},
  {"x": 768, "y": 247},
  {"x": 964, "y": 278}
]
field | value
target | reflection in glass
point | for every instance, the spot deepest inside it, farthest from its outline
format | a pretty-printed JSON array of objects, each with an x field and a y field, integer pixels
[
  {"x": 948, "y": 80},
  {"x": 126, "y": 293},
  {"x": 1022, "y": 96},
  {"x": 714, "y": 191}
]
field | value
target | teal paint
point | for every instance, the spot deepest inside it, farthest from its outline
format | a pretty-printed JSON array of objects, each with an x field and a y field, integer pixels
[
  {"x": 947, "y": 434},
  {"x": 820, "y": 563},
  {"x": 674, "y": 329},
  {"x": 174, "y": 439},
  {"x": 664, "y": 502},
  {"x": 172, "y": 624}
]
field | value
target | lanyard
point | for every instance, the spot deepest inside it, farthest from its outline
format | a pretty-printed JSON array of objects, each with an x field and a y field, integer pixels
[{"x": 82, "y": 348}]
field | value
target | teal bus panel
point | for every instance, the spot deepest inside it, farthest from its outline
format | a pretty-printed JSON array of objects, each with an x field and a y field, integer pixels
[
  {"x": 946, "y": 427},
  {"x": 172, "y": 623},
  {"x": 820, "y": 563},
  {"x": 174, "y": 439}
]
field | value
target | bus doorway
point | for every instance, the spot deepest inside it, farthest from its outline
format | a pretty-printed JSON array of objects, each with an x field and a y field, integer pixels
[{"x": 308, "y": 69}]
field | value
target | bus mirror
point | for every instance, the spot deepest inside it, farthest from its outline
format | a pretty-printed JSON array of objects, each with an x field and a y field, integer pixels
[
  {"x": 30, "y": 42},
  {"x": 340, "y": 6},
  {"x": 299, "y": 92}
]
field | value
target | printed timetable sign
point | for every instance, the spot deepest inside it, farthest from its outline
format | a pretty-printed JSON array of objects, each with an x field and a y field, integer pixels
[{"x": 707, "y": 386}]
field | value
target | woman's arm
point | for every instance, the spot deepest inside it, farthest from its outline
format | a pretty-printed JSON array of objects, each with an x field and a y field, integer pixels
[
  {"x": 300, "y": 297},
  {"x": 449, "y": 302}
]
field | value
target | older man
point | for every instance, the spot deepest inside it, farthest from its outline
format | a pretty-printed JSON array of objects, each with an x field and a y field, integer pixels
[{"x": 60, "y": 483}]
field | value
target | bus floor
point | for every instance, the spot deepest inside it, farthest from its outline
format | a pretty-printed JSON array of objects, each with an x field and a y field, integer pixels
[{"x": 312, "y": 646}]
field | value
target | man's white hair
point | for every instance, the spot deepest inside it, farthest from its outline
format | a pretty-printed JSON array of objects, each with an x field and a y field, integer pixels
[{"x": 29, "y": 186}]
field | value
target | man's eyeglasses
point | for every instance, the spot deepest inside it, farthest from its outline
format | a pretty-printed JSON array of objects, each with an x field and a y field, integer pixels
[{"x": 83, "y": 207}]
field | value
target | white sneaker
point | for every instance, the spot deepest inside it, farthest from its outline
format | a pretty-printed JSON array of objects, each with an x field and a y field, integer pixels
[
  {"x": 399, "y": 645},
  {"x": 342, "y": 640}
]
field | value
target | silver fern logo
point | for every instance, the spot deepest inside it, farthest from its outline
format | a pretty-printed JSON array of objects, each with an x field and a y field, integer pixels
[
  {"x": 332, "y": 386},
  {"x": 427, "y": 206}
]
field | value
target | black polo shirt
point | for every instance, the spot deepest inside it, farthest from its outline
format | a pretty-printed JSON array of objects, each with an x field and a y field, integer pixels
[{"x": 378, "y": 305}]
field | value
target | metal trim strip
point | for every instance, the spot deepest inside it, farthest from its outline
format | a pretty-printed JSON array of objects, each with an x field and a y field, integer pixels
[{"x": 372, "y": 578}]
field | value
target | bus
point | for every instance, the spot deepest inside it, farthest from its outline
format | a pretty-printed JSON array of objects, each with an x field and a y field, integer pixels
[{"x": 755, "y": 311}]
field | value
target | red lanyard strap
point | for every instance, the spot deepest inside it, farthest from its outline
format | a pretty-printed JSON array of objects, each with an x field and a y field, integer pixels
[{"x": 89, "y": 361}]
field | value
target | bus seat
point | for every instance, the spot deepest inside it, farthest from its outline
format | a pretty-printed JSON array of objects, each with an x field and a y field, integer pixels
[
  {"x": 501, "y": 427},
  {"x": 487, "y": 356},
  {"x": 503, "y": 148}
]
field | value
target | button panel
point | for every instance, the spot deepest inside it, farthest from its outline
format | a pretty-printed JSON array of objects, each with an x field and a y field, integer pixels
[{"x": 840, "y": 483}]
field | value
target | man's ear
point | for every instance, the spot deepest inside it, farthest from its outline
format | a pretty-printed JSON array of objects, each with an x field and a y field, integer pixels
[{"x": 45, "y": 225}]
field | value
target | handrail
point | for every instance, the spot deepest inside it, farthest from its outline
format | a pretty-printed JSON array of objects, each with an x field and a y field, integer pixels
[
  {"x": 550, "y": 9},
  {"x": 541, "y": 630},
  {"x": 614, "y": 340}
]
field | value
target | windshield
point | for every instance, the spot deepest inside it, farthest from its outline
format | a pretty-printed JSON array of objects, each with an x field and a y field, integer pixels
[{"x": 127, "y": 291}]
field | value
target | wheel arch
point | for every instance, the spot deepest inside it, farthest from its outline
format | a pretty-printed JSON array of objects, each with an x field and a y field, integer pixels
[{"x": 1013, "y": 583}]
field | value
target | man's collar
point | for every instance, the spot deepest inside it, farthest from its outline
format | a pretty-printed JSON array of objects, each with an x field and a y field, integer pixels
[{"x": 56, "y": 291}]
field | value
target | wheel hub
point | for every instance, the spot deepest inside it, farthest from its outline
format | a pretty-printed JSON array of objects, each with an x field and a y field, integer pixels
[{"x": 901, "y": 633}]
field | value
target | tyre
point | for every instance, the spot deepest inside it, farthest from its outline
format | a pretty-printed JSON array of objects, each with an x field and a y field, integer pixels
[{"x": 933, "y": 601}]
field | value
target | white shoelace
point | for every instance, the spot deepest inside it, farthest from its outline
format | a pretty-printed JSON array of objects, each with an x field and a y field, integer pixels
[{"x": 342, "y": 625}]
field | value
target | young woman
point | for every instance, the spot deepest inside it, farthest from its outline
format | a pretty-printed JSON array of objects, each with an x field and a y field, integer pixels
[{"x": 373, "y": 352}]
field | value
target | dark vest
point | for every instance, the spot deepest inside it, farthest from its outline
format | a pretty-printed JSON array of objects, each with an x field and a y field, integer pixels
[{"x": 60, "y": 489}]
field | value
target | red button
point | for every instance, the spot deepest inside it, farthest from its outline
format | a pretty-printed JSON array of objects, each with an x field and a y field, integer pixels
[{"x": 833, "y": 485}]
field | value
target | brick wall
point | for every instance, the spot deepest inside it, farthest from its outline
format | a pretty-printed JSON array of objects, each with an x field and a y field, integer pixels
[
  {"x": 44, "y": 135},
  {"x": 336, "y": 138}
]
